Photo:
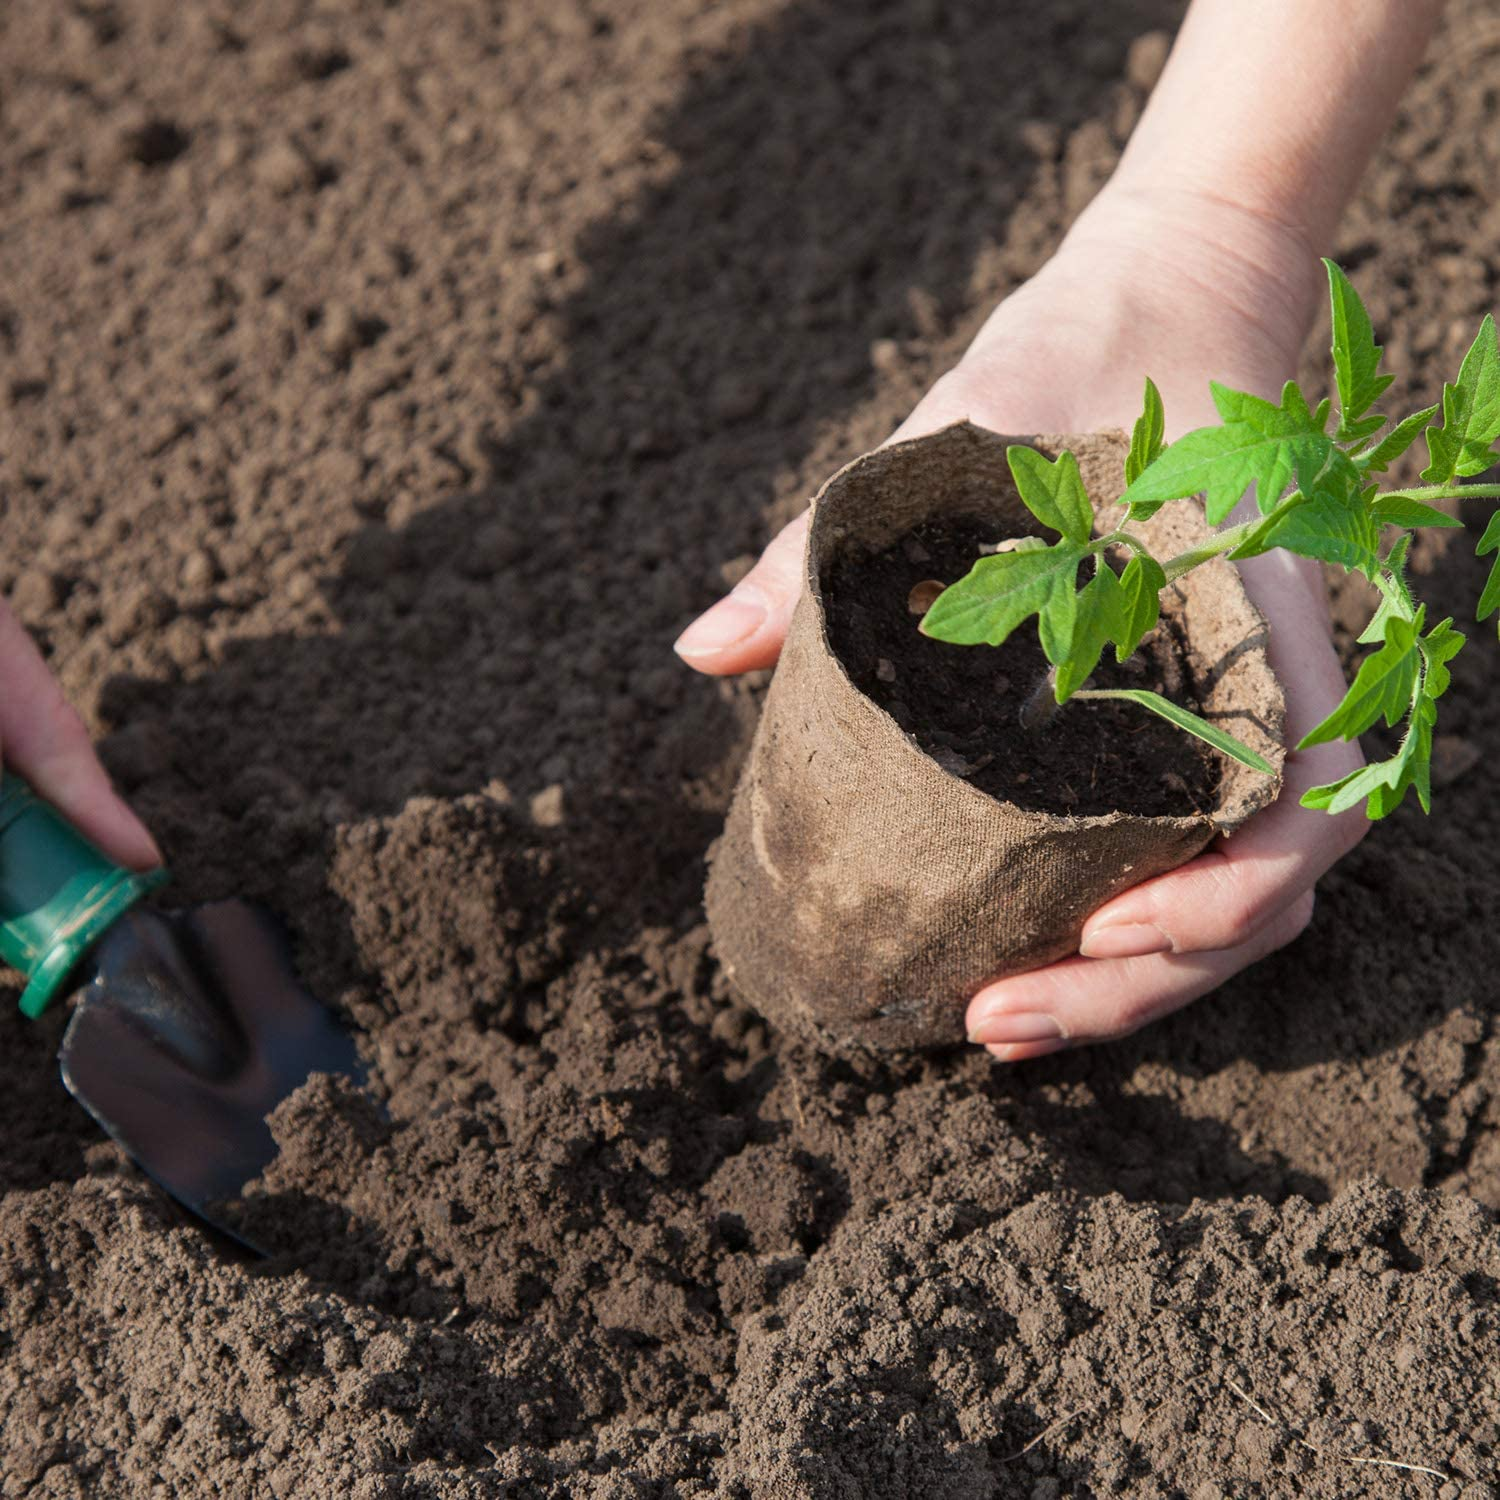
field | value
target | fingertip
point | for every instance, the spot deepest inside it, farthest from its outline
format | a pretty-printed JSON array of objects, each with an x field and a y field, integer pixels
[
  {"x": 1014, "y": 1052},
  {"x": 114, "y": 828},
  {"x": 78, "y": 787},
  {"x": 738, "y": 634},
  {"x": 138, "y": 850}
]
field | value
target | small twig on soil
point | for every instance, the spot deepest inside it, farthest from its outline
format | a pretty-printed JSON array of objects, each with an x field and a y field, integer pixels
[
  {"x": 1047, "y": 1432},
  {"x": 1348, "y": 1458},
  {"x": 797, "y": 1100}
]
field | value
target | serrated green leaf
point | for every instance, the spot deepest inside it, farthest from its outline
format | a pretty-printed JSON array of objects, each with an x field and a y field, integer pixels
[
  {"x": 1489, "y": 600},
  {"x": 1294, "y": 405},
  {"x": 1439, "y": 646},
  {"x": 1471, "y": 414},
  {"x": 1140, "y": 606},
  {"x": 1259, "y": 446},
  {"x": 1383, "y": 687},
  {"x": 1000, "y": 592},
  {"x": 1395, "y": 442},
  {"x": 1201, "y": 728},
  {"x": 1147, "y": 437},
  {"x": 1100, "y": 604},
  {"x": 1356, "y": 359},
  {"x": 1383, "y": 786},
  {"x": 1395, "y": 601},
  {"x": 1398, "y": 510},
  {"x": 1330, "y": 528},
  {"x": 1053, "y": 492}
]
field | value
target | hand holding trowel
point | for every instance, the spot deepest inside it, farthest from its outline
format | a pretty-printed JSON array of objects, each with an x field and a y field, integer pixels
[{"x": 190, "y": 1027}]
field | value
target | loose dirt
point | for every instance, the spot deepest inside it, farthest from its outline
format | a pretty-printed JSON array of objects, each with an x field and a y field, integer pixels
[{"x": 383, "y": 386}]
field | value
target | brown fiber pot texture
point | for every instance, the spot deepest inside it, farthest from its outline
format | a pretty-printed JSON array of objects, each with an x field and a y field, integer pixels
[{"x": 860, "y": 893}]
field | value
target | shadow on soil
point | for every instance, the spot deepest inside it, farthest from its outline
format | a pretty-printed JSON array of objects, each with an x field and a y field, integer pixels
[
  {"x": 839, "y": 175},
  {"x": 520, "y": 630}
]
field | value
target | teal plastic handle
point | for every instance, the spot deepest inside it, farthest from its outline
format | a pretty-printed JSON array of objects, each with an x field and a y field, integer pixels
[{"x": 58, "y": 893}]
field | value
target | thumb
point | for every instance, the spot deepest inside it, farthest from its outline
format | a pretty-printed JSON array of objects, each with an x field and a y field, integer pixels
[{"x": 745, "y": 629}]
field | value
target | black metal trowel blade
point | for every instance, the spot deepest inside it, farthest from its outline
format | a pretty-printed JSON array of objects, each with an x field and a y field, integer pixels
[{"x": 193, "y": 1029}]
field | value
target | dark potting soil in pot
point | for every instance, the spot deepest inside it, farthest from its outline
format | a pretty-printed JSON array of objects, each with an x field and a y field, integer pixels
[{"x": 962, "y": 704}]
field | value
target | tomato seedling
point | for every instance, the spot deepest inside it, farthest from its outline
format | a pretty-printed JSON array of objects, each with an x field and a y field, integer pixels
[{"x": 1316, "y": 494}]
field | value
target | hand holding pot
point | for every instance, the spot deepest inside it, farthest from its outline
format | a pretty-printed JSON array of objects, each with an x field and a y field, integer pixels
[
  {"x": 1162, "y": 275},
  {"x": 42, "y": 737}
]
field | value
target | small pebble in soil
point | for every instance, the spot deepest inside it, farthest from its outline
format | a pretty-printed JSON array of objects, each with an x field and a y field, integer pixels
[
  {"x": 923, "y": 595},
  {"x": 37, "y": 592},
  {"x": 547, "y": 807},
  {"x": 285, "y": 169}
]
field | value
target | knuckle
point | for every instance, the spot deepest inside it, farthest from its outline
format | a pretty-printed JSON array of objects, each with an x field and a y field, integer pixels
[
  {"x": 1228, "y": 911},
  {"x": 1299, "y": 914},
  {"x": 1235, "y": 923},
  {"x": 778, "y": 568}
]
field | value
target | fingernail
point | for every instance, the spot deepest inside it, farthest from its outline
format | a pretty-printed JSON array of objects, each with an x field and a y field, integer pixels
[
  {"x": 1024, "y": 1051},
  {"x": 1130, "y": 940},
  {"x": 1021, "y": 1026},
  {"x": 728, "y": 623}
]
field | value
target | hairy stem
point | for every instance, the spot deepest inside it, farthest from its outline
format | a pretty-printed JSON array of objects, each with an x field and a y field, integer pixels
[
  {"x": 1427, "y": 492},
  {"x": 1232, "y": 539},
  {"x": 1041, "y": 706},
  {"x": 1218, "y": 544}
]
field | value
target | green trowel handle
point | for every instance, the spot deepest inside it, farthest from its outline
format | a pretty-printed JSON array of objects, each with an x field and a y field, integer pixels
[{"x": 58, "y": 893}]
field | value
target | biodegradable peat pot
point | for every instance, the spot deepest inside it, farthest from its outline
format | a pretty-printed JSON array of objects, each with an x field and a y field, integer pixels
[{"x": 861, "y": 892}]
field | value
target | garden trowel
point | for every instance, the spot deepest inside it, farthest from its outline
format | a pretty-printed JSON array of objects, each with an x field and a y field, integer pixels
[{"x": 189, "y": 1028}]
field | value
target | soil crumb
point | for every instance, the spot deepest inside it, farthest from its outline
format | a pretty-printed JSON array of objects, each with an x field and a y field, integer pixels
[{"x": 962, "y": 704}]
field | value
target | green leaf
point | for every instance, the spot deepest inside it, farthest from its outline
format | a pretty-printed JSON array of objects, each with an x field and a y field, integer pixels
[
  {"x": 1395, "y": 442},
  {"x": 1489, "y": 600},
  {"x": 1140, "y": 587},
  {"x": 1056, "y": 618},
  {"x": 1100, "y": 607},
  {"x": 1384, "y": 785},
  {"x": 1146, "y": 439},
  {"x": 1205, "y": 731},
  {"x": 1053, "y": 492},
  {"x": 1398, "y": 510},
  {"x": 1356, "y": 359},
  {"x": 1384, "y": 687},
  {"x": 1331, "y": 529},
  {"x": 1471, "y": 414},
  {"x": 1000, "y": 592},
  {"x": 1258, "y": 445},
  {"x": 1395, "y": 597},
  {"x": 1439, "y": 646}
]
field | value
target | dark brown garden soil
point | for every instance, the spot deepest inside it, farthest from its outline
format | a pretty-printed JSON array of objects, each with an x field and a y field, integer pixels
[
  {"x": 381, "y": 387},
  {"x": 962, "y": 705}
]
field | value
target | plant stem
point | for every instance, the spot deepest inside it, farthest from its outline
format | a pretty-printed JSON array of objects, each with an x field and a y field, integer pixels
[
  {"x": 1228, "y": 541},
  {"x": 1218, "y": 544},
  {"x": 1041, "y": 707},
  {"x": 1445, "y": 492}
]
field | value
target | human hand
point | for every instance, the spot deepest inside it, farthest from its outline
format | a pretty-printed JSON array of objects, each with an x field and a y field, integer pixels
[
  {"x": 42, "y": 738},
  {"x": 1186, "y": 290}
]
